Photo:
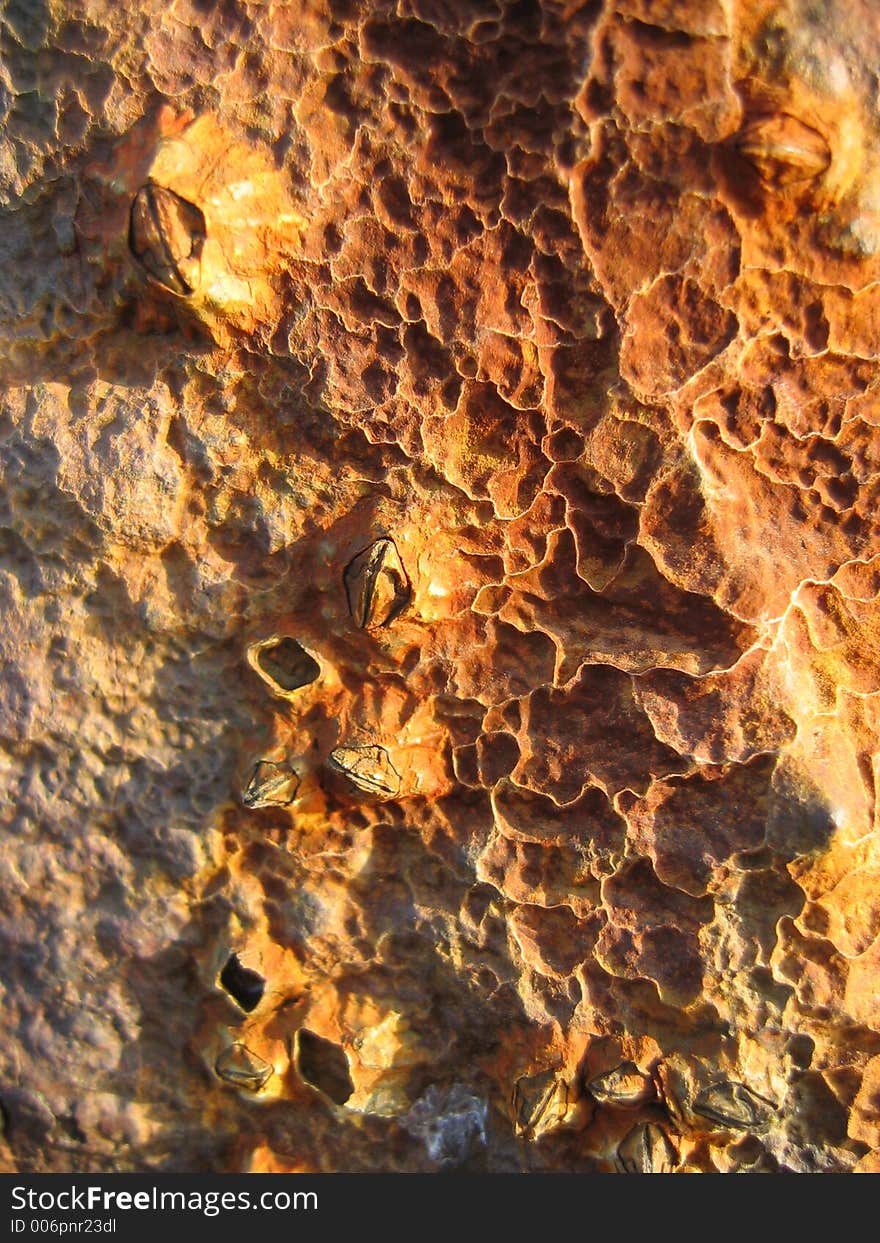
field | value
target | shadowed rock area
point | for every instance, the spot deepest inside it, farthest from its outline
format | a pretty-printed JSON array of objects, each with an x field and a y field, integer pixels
[{"x": 440, "y": 585}]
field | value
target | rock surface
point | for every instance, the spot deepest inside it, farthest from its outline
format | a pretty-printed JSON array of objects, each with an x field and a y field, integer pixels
[{"x": 440, "y": 585}]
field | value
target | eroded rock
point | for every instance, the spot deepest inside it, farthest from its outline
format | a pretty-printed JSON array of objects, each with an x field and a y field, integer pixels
[{"x": 440, "y": 580}]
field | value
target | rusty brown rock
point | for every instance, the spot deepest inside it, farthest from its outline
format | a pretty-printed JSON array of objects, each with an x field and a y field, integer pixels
[{"x": 440, "y": 586}]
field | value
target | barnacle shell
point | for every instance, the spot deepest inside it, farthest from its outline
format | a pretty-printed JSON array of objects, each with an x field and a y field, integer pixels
[
  {"x": 368, "y": 767},
  {"x": 243, "y": 1068},
  {"x": 283, "y": 664},
  {"x": 542, "y": 1103},
  {"x": 647, "y": 1149},
  {"x": 625, "y": 1086},
  {"x": 201, "y": 172},
  {"x": 323, "y": 1065},
  {"x": 734, "y": 1105},
  {"x": 376, "y": 585},
  {"x": 244, "y": 985},
  {"x": 272, "y": 783},
  {"x": 166, "y": 235},
  {"x": 783, "y": 150}
]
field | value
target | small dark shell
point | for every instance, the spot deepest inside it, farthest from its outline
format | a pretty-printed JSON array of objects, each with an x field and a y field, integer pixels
[
  {"x": 782, "y": 150},
  {"x": 647, "y": 1149},
  {"x": 271, "y": 784},
  {"x": 734, "y": 1105},
  {"x": 368, "y": 767},
  {"x": 243, "y": 1068},
  {"x": 166, "y": 235},
  {"x": 539, "y": 1103},
  {"x": 625, "y": 1086},
  {"x": 376, "y": 585}
]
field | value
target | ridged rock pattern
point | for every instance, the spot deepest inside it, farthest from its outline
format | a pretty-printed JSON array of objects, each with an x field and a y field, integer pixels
[{"x": 440, "y": 585}]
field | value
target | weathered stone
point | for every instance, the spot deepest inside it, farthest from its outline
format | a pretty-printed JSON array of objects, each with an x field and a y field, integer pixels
[{"x": 452, "y": 430}]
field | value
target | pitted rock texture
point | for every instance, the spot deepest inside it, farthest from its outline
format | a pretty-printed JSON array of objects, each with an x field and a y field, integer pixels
[{"x": 440, "y": 585}]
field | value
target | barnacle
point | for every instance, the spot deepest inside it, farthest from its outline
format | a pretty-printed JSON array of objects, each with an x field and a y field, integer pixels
[
  {"x": 243, "y": 1068},
  {"x": 244, "y": 985},
  {"x": 647, "y": 1149},
  {"x": 283, "y": 664},
  {"x": 272, "y": 783},
  {"x": 368, "y": 767},
  {"x": 625, "y": 1085},
  {"x": 541, "y": 1103},
  {"x": 735, "y": 1105},
  {"x": 166, "y": 235},
  {"x": 783, "y": 150},
  {"x": 323, "y": 1065},
  {"x": 376, "y": 585}
]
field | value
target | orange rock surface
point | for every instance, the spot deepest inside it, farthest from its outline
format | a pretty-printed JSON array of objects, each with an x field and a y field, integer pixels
[{"x": 440, "y": 585}]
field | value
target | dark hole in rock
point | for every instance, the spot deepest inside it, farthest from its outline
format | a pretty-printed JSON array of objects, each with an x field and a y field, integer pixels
[
  {"x": 71, "y": 1127},
  {"x": 244, "y": 986},
  {"x": 288, "y": 665},
  {"x": 323, "y": 1065}
]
